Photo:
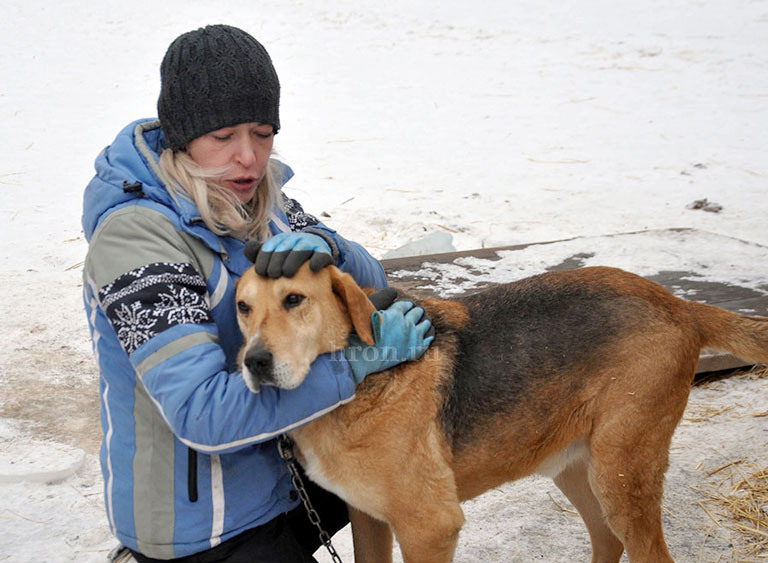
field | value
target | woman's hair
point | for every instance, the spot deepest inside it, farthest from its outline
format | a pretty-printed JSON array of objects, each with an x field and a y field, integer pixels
[{"x": 220, "y": 209}]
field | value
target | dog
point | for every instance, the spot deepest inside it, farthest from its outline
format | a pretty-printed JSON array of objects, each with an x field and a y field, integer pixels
[{"x": 581, "y": 375}]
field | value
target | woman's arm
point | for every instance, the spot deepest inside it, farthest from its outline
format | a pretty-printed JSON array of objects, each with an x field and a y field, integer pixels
[
  {"x": 350, "y": 256},
  {"x": 149, "y": 287}
]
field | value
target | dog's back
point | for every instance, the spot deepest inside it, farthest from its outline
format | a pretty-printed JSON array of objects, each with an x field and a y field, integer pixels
[
  {"x": 527, "y": 338},
  {"x": 542, "y": 360}
]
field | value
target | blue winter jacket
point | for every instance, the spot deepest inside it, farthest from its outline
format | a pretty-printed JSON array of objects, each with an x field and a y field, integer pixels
[{"x": 188, "y": 455}]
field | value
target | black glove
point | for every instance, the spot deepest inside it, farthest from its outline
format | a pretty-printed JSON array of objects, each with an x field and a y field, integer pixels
[{"x": 383, "y": 298}]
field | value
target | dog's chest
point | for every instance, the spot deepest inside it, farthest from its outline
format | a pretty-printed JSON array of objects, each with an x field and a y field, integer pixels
[
  {"x": 330, "y": 470},
  {"x": 314, "y": 468}
]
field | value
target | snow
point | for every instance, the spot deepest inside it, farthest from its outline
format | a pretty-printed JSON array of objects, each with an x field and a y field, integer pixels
[
  {"x": 648, "y": 253},
  {"x": 498, "y": 122},
  {"x": 39, "y": 462}
]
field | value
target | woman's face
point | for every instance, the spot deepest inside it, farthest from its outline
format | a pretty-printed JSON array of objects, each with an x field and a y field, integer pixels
[{"x": 243, "y": 150}]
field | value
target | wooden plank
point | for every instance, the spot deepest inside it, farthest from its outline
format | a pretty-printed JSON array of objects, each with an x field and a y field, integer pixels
[
  {"x": 711, "y": 360},
  {"x": 410, "y": 275},
  {"x": 755, "y": 306},
  {"x": 704, "y": 291},
  {"x": 414, "y": 262}
]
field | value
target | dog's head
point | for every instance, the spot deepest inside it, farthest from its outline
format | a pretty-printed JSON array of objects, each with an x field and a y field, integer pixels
[{"x": 288, "y": 322}]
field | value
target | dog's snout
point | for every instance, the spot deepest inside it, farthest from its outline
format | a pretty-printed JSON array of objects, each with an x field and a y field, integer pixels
[{"x": 258, "y": 360}]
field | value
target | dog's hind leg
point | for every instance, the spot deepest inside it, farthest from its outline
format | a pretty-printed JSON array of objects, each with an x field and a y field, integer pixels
[
  {"x": 573, "y": 481},
  {"x": 627, "y": 476},
  {"x": 631, "y": 499},
  {"x": 372, "y": 538},
  {"x": 429, "y": 534}
]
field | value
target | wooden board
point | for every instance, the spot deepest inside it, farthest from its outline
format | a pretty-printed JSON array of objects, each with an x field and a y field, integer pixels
[{"x": 742, "y": 288}]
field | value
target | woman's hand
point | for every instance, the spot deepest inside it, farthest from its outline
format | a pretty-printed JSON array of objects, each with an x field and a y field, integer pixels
[
  {"x": 284, "y": 253},
  {"x": 402, "y": 332}
]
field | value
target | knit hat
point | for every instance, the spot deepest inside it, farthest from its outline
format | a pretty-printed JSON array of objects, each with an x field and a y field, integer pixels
[{"x": 215, "y": 77}]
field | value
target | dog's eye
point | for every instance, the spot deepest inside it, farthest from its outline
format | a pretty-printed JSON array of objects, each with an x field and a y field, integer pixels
[
  {"x": 292, "y": 300},
  {"x": 243, "y": 307}
]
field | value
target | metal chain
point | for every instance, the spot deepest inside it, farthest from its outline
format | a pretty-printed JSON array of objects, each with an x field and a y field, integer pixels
[{"x": 285, "y": 447}]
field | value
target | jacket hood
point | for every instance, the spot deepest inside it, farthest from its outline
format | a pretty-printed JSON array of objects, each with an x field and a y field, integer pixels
[{"x": 132, "y": 159}]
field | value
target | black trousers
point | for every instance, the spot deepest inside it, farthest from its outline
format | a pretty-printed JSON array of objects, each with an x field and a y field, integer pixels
[{"x": 289, "y": 538}]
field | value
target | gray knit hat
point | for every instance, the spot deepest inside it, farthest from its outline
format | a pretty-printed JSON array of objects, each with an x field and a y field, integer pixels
[{"x": 215, "y": 77}]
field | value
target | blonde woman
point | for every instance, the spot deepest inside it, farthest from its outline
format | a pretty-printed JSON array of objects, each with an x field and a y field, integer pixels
[{"x": 191, "y": 470}]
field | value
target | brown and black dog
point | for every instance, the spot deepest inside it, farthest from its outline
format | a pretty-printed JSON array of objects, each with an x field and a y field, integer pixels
[{"x": 581, "y": 375}]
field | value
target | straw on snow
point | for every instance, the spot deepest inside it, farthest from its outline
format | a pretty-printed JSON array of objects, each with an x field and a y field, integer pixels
[{"x": 742, "y": 506}]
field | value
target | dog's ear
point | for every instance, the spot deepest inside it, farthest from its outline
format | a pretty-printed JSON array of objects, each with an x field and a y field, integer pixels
[{"x": 359, "y": 306}]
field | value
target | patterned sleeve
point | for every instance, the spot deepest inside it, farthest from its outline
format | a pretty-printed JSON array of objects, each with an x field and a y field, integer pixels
[
  {"x": 298, "y": 219},
  {"x": 148, "y": 300}
]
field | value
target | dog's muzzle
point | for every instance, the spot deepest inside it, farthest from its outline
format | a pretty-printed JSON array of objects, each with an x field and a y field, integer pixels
[{"x": 259, "y": 366}]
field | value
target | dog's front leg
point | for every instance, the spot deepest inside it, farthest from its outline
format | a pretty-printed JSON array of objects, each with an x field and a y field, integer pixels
[{"x": 372, "y": 538}]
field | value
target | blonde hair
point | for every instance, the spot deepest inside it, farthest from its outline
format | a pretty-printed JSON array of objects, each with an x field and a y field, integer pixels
[{"x": 219, "y": 208}]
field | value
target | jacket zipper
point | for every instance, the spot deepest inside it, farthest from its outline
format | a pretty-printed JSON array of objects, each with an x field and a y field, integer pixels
[{"x": 192, "y": 475}]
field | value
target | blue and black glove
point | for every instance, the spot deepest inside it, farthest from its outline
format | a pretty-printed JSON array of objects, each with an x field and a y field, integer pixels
[
  {"x": 401, "y": 332},
  {"x": 284, "y": 253}
]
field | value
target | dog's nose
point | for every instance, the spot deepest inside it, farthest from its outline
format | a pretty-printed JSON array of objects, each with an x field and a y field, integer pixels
[{"x": 258, "y": 360}]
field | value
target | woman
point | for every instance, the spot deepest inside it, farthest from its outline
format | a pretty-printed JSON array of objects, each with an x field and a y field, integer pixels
[{"x": 189, "y": 460}]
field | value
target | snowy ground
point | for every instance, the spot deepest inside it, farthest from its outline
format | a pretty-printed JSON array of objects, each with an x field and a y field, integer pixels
[{"x": 497, "y": 122}]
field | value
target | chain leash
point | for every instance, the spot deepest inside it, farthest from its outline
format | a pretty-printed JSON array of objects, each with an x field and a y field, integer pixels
[{"x": 285, "y": 447}]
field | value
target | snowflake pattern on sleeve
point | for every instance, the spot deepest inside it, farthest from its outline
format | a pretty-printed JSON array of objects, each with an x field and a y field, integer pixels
[
  {"x": 146, "y": 301},
  {"x": 298, "y": 219}
]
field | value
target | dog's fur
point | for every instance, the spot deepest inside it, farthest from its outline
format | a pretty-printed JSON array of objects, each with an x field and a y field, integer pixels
[{"x": 581, "y": 375}]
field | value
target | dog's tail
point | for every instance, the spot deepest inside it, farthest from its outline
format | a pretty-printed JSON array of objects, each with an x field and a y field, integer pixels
[{"x": 743, "y": 336}]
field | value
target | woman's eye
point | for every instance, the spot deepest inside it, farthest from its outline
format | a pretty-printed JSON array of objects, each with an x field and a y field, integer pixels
[
  {"x": 263, "y": 135},
  {"x": 292, "y": 300},
  {"x": 243, "y": 307},
  {"x": 222, "y": 138}
]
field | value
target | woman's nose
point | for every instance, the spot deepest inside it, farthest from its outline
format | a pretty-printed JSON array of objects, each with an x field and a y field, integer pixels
[{"x": 246, "y": 153}]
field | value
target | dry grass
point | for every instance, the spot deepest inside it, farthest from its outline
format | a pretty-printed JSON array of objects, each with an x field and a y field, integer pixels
[
  {"x": 737, "y": 498},
  {"x": 735, "y": 494},
  {"x": 704, "y": 412}
]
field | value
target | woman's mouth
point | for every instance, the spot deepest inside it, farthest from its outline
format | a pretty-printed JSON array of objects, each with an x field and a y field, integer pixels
[
  {"x": 243, "y": 184},
  {"x": 242, "y": 187}
]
